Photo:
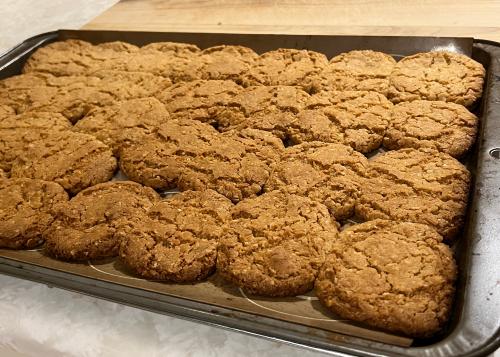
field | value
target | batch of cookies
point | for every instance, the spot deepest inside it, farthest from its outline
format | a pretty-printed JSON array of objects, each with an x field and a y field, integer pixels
[{"x": 272, "y": 155}]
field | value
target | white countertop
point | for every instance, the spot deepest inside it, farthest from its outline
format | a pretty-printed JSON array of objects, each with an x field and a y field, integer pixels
[{"x": 36, "y": 320}]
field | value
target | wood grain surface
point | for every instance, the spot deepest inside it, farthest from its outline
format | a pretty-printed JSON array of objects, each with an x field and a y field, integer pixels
[{"x": 478, "y": 19}]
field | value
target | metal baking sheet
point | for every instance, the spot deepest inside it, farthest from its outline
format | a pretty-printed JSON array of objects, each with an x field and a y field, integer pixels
[{"x": 475, "y": 324}]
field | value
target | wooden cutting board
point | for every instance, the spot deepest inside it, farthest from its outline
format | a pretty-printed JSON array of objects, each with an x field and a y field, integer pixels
[{"x": 479, "y": 18}]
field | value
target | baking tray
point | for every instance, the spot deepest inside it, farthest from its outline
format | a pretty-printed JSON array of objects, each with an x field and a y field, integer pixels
[{"x": 474, "y": 328}]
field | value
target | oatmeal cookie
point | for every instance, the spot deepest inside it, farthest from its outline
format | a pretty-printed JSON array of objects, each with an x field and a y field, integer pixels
[
  {"x": 18, "y": 132},
  {"x": 284, "y": 66},
  {"x": 275, "y": 244},
  {"x": 421, "y": 186},
  {"x": 73, "y": 160},
  {"x": 445, "y": 76},
  {"x": 397, "y": 276},
  {"x": 355, "y": 118},
  {"x": 124, "y": 123},
  {"x": 324, "y": 172},
  {"x": 85, "y": 227},
  {"x": 227, "y": 62},
  {"x": 26, "y": 210},
  {"x": 364, "y": 70},
  {"x": 176, "y": 240},
  {"x": 446, "y": 127}
]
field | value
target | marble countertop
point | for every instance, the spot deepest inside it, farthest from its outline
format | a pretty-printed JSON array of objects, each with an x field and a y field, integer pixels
[{"x": 36, "y": 320}]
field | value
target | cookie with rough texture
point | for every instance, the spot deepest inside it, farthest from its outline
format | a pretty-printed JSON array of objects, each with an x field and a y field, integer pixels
[
  {"x": 86, "y": 227},
  {"x": 75, "y": 57},
  {"x": 26, "y": 210},
  {"x": 6, "y": 111},
  {"x": 199, "y": 100},
  {"x": 176, "y": 240},
  {"x": 269, "y": 108},
  {"x": 124, "y": 123},
  {"x": 73, "y": 160},
  {"x": 227, "y": 62},
  {"x": 275, "y": 244},
  {"x": 394, "y": 276},
  {"x": 445, "y": 76},
  {"x": 355, "y": 118},
  {"x": 177, "y": 49},
  {"x": 446, "y": 127},
  {"x": 193, "y": 155},
  {"x": 285, "y": 66},
  {"x": 18, "y": 132},
  {"x": 363, "y": 70},
  {"x": 3, "y": 175},
  {"x": 421, "y": 186},
  {"x": 324, "y": 172}
]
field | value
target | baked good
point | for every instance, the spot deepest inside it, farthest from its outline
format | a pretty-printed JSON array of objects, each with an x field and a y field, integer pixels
[
  {"x": 355, "y": 118},
  {"x": 269, "y": 108},
  {"x": 324, "y": 172},
  {"x": 363, "y": 70},
  {"x": 193, "y": 155},
  {"x": 445, "y": 76},
  {"x": 200, "y": 99},
  {"x": 76, "y": 57},
  {"x": 275, "y": 244},
  {"x": 3, "y": 175},
  {"x": 285, "y": 66},
  {"x": 73, "y": 160},
  {"x": 421, "y": 186},
  {"x": 397, "y": 276},
  {"x": 176, "y": 240},
  {"x": 18, "y": 132},
  {"x": 26, "y": 210},
  {"x": 226, "y": 62},
  {"x": 446, "y": 127},
  {"x": 124, "y": 123},
  {"x": 6, "y": 111},
  {"x": 85, "y": 227}
]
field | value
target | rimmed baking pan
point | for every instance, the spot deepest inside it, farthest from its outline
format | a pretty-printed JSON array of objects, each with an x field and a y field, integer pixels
[{"x": 474, "y": 328}]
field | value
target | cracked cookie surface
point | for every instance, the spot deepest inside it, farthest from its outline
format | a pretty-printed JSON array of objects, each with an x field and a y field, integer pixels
[
  {"x": 275, "y": 244},
  {"x": 284, "y": 66},
  {"x": 18, "y": 132},
  {"x": 176, "y": 240},
  {"x": 355, "y": 118},
  {"x": 124, "y": 123},
  {"x": 226, "y": 62},
  {"x": 363, "y": 70},
  {"x": 324, "y": 172},
  {"x": 73, "y": 160},
  {"x": 421, "y": 186},
  {"x": 394, "y": 276},
  {"x": 445, "y": 76},
  {"x": 193, "y": 155},
  {"x": 446, "y": 127},
  {"x": 26, "y": 210},
  {"x": 86, "y": 226}
]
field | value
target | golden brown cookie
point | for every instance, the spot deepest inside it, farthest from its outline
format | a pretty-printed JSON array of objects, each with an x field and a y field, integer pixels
[
  {"x": 176, "y": 240},
  {"x": 269, "y": 108},
  {"x": 446, "y": 127},
  {"x": 85, "y": 228},
  {"x": 445, "y": 76},
  {"x": 124, "y": 123},
  {"x": 226, "y": 62},
  {"x": 199, "y": 100},
  {"x": 75, "y": 57},
  {"x": 193, "y": 155},
  {"x": 421, "y": 186},
  {"x": 396, "y": 276},
  {"x": 324, "y": 172},
  {"x": 18, "y": 132},
  {"x": 275, "y": 244},
  {"x": 26, "y": 210},
  {"x": 355, "y": 118},
  {"x": 73, "y": 160},
  {"x": 285, "y": 66},
  {"x": 364, "y": 70},
  {"x": 6, "y": 111}
]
